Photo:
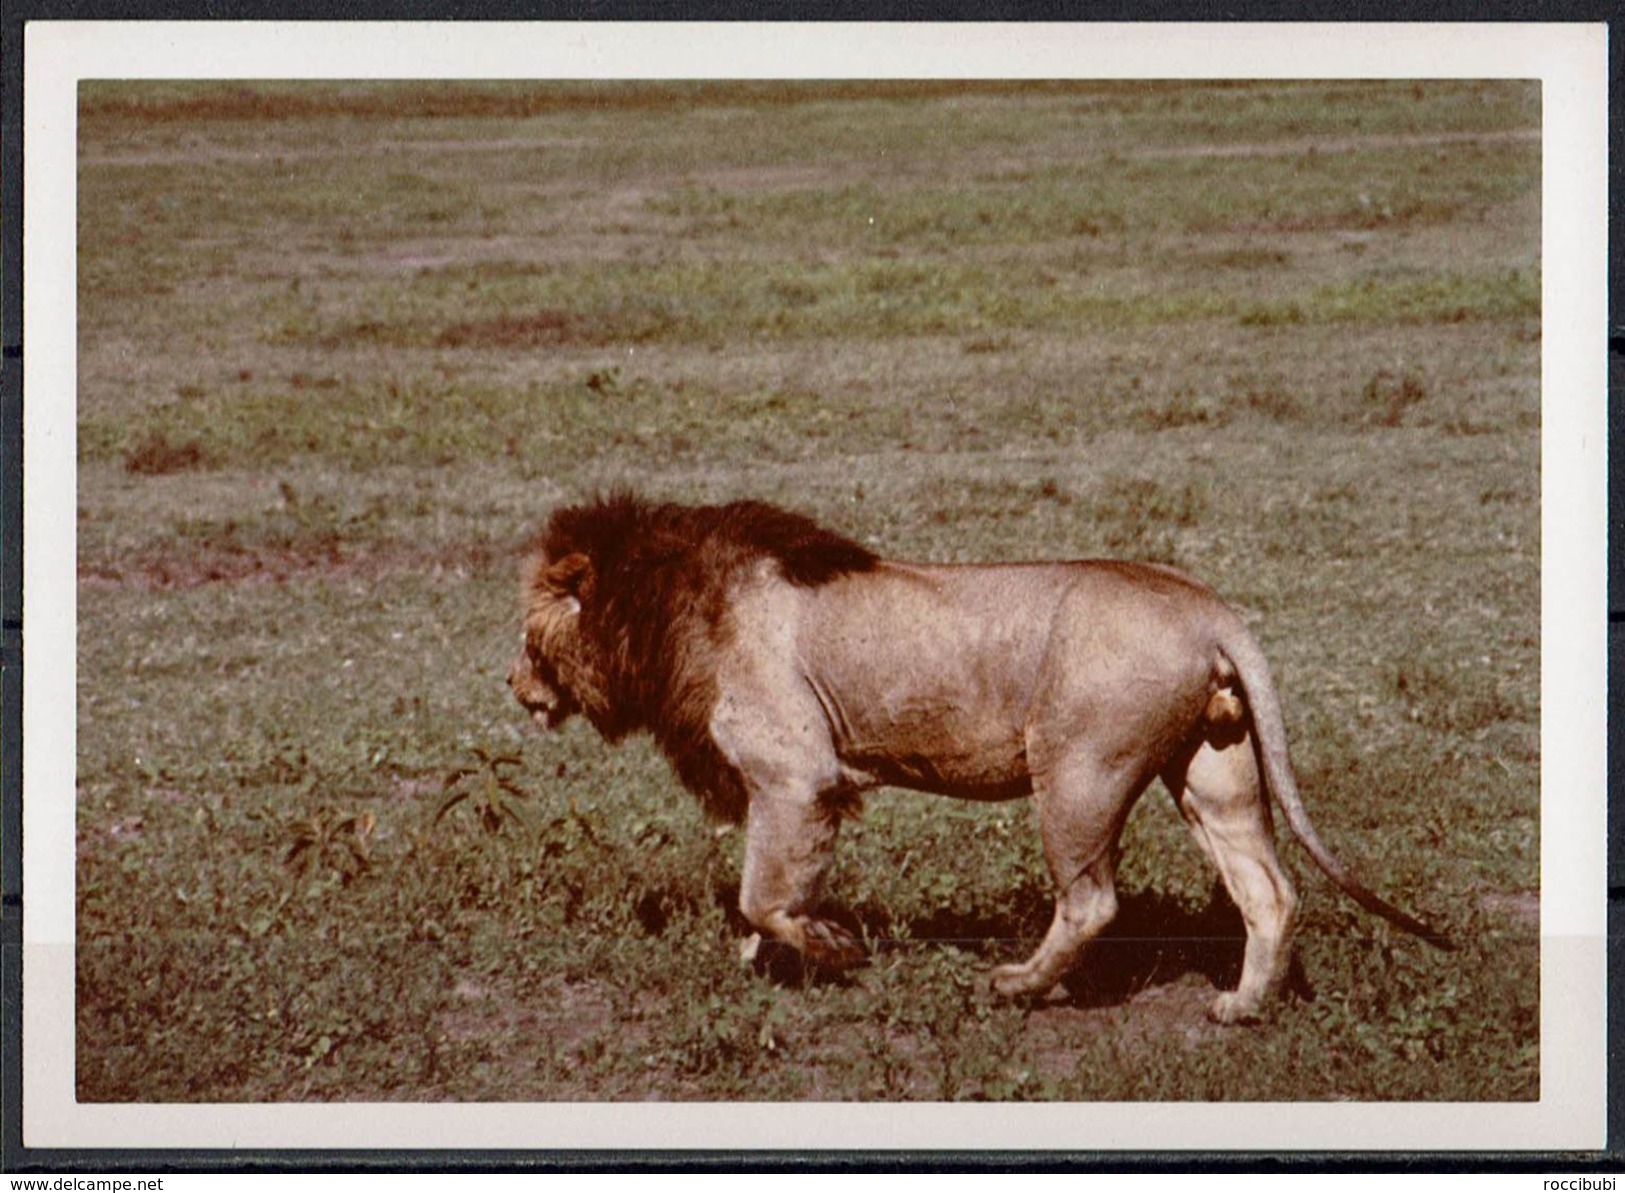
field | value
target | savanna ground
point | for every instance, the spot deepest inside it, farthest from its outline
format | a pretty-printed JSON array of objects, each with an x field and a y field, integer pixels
[{"x": 343, "y": 348}]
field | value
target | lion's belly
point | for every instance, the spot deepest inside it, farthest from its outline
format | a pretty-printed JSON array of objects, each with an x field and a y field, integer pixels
[{"x": 969, "y": 763}]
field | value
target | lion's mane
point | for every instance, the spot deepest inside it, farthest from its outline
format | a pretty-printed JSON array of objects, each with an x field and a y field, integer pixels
[{"x": 654, "y": 617}]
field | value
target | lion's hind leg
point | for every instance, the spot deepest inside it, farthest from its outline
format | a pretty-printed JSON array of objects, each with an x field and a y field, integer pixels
[
  {"x": 1080, "y": 812},
  {"x": 1217, "y": 790},
  {"x": 1082, "y": 911}
]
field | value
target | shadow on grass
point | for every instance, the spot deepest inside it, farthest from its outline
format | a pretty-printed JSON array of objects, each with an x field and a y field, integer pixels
[{"x": 1155, "y": 940}]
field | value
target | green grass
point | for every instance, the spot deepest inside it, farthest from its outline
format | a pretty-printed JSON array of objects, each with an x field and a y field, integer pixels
[{"x": 343, "y": 347}]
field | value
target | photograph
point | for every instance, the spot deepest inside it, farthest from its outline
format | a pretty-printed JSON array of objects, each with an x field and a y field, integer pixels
[
  {"x": 344, "y": 348},
  {"x": 822, "y": 592}
]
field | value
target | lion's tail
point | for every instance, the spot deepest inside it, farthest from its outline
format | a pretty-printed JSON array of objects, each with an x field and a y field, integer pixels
[{"x": 1275, "y": 766}]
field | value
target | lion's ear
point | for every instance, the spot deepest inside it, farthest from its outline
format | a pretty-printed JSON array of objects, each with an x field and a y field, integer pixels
[{"x": 570, "y": 576}]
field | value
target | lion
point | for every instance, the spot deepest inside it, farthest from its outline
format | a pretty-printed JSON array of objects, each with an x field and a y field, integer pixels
[{"x": 785, "y": 670}]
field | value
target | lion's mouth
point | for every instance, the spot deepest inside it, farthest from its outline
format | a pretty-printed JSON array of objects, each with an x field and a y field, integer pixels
[
  {"x": 545, "y": 704},
  {"x": 549, "y": 716}
]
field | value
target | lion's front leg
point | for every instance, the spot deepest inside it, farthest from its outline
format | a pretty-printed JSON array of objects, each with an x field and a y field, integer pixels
[
  {"x": 771, "y": 729},
  {"x": 788, "y": 844}
]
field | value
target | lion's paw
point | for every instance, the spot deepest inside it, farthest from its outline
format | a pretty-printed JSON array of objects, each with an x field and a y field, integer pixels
[
  {"x": 1232, "y": 1010},
  {"x": 830, "y": 945},
  {"x": 1017, "y": 981}
]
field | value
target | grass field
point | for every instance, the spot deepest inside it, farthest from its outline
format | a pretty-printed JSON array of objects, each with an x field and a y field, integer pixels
[{"x": 343, "y": 347}]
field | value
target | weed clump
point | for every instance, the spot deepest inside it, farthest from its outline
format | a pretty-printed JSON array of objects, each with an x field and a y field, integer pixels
[
  {"x": 1273, "y": 403},
  {"x": 157, "y": 455},
  {"x": 1273, "y": 315},
  {"x": 1184, "y": 409},
  {"x": 1387, "y": 396},
  {"x": 540, "y": 329}
]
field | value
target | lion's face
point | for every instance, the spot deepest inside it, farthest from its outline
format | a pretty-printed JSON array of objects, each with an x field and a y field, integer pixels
[
  {"x": 548, "y": 676},
  {"x": 534, "y": 681}
]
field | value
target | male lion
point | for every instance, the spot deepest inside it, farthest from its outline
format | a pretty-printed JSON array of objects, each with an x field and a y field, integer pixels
[{"x": 785, "y": 669}]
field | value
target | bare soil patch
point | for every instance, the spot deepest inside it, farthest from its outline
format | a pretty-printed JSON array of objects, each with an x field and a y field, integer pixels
[
  {"x": 541, "y": 329},
  {"x": 168, "y": 567},
  {"x": 1296, "y": 148},
  {"x": 1178, "y": 1010}
]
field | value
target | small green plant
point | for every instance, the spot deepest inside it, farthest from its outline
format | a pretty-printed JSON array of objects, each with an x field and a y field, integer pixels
[
  {"x": 327, "y": 839},
  {"x": 720, "y": 1036},
  {"x": 494, "y": 797}
]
